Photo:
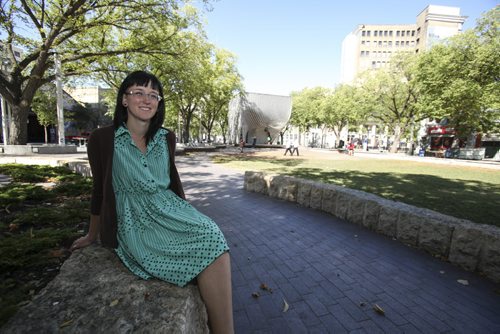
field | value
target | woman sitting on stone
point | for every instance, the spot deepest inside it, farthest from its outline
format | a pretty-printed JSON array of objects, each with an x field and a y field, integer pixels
[{"x": 138, "y": 205}]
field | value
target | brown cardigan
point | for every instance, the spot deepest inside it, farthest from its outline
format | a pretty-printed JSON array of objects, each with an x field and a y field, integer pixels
[{"x": 100, "y": 152}]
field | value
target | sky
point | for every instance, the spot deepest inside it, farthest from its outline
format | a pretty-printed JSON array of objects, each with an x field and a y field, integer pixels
[{"x": 287, "y": 45}]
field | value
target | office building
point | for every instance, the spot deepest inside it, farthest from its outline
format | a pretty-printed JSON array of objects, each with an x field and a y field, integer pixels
[{"x": 371, "y": 46}]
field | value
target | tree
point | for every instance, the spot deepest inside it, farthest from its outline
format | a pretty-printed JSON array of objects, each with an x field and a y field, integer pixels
[
  {"x": 45, "y": 107},
  {"x": 306, "y": 107},
  {"x": 81, "y": 32},
  {"x": 391, "y": 94},
  {"x": 460, "y": 80},
  {"x": 341, "y": 108},
  {"x": 225, "y": 82}
]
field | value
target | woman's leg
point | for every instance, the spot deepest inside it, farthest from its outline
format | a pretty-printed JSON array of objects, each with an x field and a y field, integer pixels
[{"x": 215, "y": 287}]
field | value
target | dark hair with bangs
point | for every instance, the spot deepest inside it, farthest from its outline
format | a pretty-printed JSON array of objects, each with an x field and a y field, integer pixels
[{"x": 140, "y": 78}]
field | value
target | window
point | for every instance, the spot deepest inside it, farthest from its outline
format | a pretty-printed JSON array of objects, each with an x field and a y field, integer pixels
[
  {"x": 386, "y": 33},
  {"x": 367, "y": 43},
  {"x": 362, "y": 42},
  {"x": 389, "y": 43},
  {"x": 363, "y": 33},
  {"x": 379, "y": 43},
  {"x": 407, "y": 32},
  {"x": 17, "y": 54},
  {"x": 397, "y": 33},
  {"x": 368, "y": 33},
  {"x": 407, "y": 43},
  {"x": 367, "y": 53},
  {"x": 374, "y": 64},
  {"x": 384, "y": 44},
  {"x": 396, "y": 44},
  {"x": 402, "y": 33},
  {"x": 375, "y": 33},
  {"x": 390, "y": 33},
  {"x": 362, "y": 53},
  {"x": 413, "y": 32}
]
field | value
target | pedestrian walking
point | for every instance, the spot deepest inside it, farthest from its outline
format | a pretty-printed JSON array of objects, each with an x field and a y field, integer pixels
[
  {"x": 295, "y": 148},
  {"x": 288, "y": 147}
]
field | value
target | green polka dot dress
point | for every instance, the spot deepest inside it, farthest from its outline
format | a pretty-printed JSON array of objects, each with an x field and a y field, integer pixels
[{"x": 159, "y": 234}]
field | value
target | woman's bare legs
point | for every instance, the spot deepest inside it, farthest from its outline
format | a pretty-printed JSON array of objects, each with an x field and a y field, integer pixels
[{"x": 215, "y": 287}]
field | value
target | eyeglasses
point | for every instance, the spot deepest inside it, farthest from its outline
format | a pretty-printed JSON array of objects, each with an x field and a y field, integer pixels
[{"x": 141, "y": 95}]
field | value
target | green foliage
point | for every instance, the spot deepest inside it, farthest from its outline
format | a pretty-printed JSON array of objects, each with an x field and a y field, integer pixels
[
  {"x": 15, "y": 194},
  {"x": 33, "y": 173},
  {"x": 89, "y": 36},
  {"x": 342, "y": 108},
  {"x": 37, "y": 226},
  {"x": 460, "y": 80},
  {"x": 45, "y": 105},
  {"x": 391, "y": 95},
  {"x": 307, "y": 106}
]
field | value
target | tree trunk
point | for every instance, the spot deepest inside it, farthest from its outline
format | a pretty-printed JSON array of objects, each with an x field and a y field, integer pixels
[
  {"x": 185, "y": 130},
  {"x": 45, "y": 130},
  {"x": 19, "y": 125},
  {"x": 397, "y": 139}
]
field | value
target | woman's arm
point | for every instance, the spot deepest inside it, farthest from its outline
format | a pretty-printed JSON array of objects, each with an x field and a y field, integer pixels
[{"x": 91, "y": 236}]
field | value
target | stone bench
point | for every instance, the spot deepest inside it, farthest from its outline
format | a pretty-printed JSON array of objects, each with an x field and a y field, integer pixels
[
  {"x": 474, "y": 247},
  {"x": 95, "y": 293}
]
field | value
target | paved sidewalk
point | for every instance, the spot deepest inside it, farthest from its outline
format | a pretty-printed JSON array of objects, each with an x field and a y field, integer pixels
[{"x": 330, "y": 272}]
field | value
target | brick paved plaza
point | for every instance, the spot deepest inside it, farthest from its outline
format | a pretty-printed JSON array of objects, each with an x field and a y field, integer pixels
[{"x": 330, "y": 272}]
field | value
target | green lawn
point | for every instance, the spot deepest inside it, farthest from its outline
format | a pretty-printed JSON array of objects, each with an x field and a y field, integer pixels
[
  {"x": 37, "y": 226},
  {"x": 463, "y": 192}
]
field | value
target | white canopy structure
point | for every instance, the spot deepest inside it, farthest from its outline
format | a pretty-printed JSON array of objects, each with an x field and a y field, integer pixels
[{"x": 258, "y": 116}]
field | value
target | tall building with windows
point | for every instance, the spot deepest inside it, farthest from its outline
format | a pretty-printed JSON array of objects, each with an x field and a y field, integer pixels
[{"x": 371, "y": 46}]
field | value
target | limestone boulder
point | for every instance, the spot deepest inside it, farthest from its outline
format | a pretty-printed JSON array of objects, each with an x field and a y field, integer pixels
[{"x": 95, "y": 293}]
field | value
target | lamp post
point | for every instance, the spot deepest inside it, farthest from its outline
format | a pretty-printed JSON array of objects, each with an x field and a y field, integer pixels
[
  {"x": 4, "y": 106},
  {"x": 60, "y": 103}
]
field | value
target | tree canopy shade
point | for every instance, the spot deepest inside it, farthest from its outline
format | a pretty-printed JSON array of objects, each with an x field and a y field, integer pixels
[
  {"x": 81, "y": 32},
  {"x": 460, "y": 80}
]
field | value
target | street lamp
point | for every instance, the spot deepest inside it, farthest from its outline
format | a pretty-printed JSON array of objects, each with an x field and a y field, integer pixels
[
  {"x": 60, "y": 101},
  {"x": 5, "y": 121}
]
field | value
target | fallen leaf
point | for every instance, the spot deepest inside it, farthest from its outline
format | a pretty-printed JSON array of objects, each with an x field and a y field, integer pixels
[
  {"x": 57, "y": 253},
  {"x": 147, "y": 295},
  {"x": 66, "y": 323},
  {"x": 114, "y": 303},
  {"x": 441, "y": 271},
  {"x": 285, "y": 306},
  {"x": 362, "y": 304},
  {"x": 263, "y": 286},
  {"x": 463, "y": 281},
  {"x": 13, "y": 227},
  {"x": 378, "y": 309},
  {"x": 255, "y": 295}
]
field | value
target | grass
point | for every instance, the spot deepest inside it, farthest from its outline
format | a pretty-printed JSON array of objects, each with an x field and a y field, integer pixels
[
  {"x": 463, "y": 192},
  {"x": 42, "y": 211}
]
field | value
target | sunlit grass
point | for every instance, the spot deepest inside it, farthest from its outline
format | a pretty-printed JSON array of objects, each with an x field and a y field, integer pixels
[{"x": 465, "y": 192}]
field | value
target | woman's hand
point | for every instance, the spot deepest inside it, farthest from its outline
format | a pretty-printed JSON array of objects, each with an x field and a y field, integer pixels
[{"x": 82, "y": 242}]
